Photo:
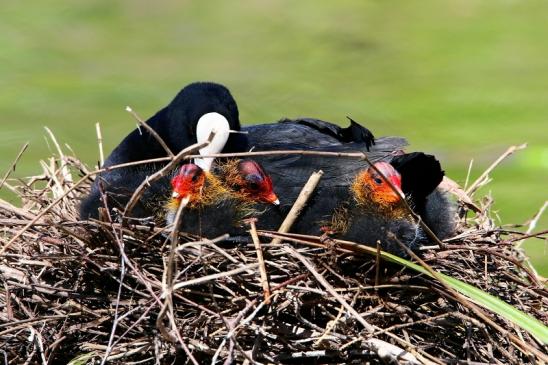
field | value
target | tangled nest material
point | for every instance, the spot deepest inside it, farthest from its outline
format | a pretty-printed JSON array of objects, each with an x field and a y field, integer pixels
[{"x": 97, "y": 292}]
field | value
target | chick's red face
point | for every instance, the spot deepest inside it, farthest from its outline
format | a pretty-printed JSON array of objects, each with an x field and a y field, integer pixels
[
  {"x": 255, "y": 183},
  {"x": 380, "y": 191},
  {"x": 188, "y": 183}
]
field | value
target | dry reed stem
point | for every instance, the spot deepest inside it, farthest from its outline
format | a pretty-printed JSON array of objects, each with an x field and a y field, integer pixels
[
  {"x": 262, "y": 266},
  {"x": 151, "y": 131},
  {"x": 13, "y": 164},
  {"x": 100, "y": 144},
  {"x": 533, "y": 224},
  {"x": 300, "y": 203},
  {"x": 483, "y": 177}
]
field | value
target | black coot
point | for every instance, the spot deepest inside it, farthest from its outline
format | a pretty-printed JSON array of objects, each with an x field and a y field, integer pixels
[{"x": 177, "y": 125}]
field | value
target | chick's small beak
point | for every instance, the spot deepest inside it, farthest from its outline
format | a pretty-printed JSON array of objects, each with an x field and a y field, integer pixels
[{"x": 273, "y": 199}]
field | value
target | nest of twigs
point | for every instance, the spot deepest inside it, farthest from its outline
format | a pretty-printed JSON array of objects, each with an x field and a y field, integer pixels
[{"x": 96, "y": 292}]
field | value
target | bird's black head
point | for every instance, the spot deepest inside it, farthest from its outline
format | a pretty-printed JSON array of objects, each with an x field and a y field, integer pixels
[{"x": 191, "y": 103}]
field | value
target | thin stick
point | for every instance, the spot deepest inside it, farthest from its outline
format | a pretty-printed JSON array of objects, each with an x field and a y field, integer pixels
[
  {"x": 485, "y": 174},
  {"x": 13, "y": 164},
  {"x": 116, "y": 308},
  {"x": 378, "y": 265},
  {"x": 530, "y": 229},
  {"x": 67, "y": 177},
  {"x": 260, "y": 259},
  {"x": 151, "y": 131},
  {"x": 168, "y": 288},
  {"x": 100, "y": 142},
  {"x": 468, "y": 173},
  {"x": 533, "y": 223},
  {"x": 299, "y": 204},
  {"x": 283, "y": 152},
  {"x": 204, "y": 279}
]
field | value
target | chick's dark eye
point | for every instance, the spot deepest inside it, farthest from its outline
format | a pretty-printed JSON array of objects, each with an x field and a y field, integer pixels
[
  {"x": 253, "y": 182},
  {"x": 253, "y": 186},
  {"x": 195, "y": 178},
  {"x": 377, "y": 180}
]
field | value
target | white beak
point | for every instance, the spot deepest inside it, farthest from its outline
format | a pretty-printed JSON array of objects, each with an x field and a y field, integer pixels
[
  {"x": 175, "y": 194},
  {"x": 276, "y": 202},
  {"x": 211, "y": 122}
]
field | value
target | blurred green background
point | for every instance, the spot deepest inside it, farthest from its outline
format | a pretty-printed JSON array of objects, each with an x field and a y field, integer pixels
[{"x": 461, "y": 79}]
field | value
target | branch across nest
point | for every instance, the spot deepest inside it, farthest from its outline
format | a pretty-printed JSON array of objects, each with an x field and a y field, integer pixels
[{"x": 92, "y": 292}]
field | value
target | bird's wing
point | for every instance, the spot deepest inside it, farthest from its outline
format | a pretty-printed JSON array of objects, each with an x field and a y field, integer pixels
[{"x": 353, "y": 133}]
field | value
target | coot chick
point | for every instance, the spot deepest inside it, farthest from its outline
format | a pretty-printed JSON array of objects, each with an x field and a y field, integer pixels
[
  {"x": 190, "y": 117},
  {"x": 376, "y": 210},
  {"x": 247, "y": 178}
]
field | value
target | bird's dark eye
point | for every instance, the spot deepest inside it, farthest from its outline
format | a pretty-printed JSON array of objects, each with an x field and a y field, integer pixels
[
  {"x": 253, "y": 181},
  {"x": 195, "y": 178},
  {"x": 377, "y": 180}
]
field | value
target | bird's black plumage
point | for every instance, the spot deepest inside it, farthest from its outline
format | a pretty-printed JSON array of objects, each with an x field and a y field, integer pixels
[{"x": 176, "y": 125}]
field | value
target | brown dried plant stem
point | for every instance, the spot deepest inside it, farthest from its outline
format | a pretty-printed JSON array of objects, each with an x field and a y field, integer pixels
[
  {"x": 299, "y": 204},
  {"x": 100, "y": 143},
  {"x": 262, "y": 266},
  {"x": 482, "y": 178},
  {"x": 168, "y": 278},
  {"x": 151, "y": 131},
  {"x": 13, "y": 164}
]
